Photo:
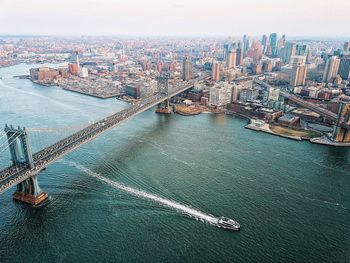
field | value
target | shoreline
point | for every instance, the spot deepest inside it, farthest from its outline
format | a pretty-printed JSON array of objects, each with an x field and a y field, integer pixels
[
  {"x": 185, "y": 111},
  {"x": 252, "y": 125},
  {"x": 322, "y": 140},
  {"x": 327, "y": 142},
  {"x": 89, "y": 94},
  {"x": 72, "y": 90},
  {"x": 266, "y": 129}
]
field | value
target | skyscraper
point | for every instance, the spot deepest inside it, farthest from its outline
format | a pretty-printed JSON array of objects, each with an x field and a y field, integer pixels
[
  {"x": 245, "y": 44},
  {"x": 264, "y": 42},
  {"x": 255, "y": 52},
  {"x": 299, "y": 71},
  {"x": 226, "y": 49},
  {"x": 283, "y": 41},
  {"x": 77, "y": 60},
  {"x": 288, "y": 51},
  {"x": 331, "y": 69},
  {"x": 186, "y": 68},
  {"x": 346, "y": 48},
  {"x": 239, "y": 55},
  {"x": 344, "y": 67},
  {"x": 216, "y": 71},
  {"x": 301, "y": 50},
  {"x": 231, "y": 59},
  {"x": 308, "y": 55},
  {"x": 273, "y": 44}
]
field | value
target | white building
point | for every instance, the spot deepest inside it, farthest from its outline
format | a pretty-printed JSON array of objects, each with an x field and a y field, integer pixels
[
  {"x": 220, "y": 94},
  {"x": 83, "y": 73},
  {"x": 313, "y": 92},
  {"x": 274, "y": 94}
]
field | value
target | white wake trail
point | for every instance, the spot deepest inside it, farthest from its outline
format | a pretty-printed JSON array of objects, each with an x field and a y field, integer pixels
[{"x": 142, "y": 194}]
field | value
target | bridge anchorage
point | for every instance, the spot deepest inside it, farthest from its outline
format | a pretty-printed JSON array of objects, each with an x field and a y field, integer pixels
[
  {"x": 163, "y": 89},
  {"x": 28, "y": 191}
]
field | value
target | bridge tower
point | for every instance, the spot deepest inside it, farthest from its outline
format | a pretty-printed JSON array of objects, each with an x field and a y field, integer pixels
[
  {"x": 163, "y": 83},
  {"x": 163, "y": 90},
  {"x": 341, "y": 131},
  {"x": 27, "y": 191}
]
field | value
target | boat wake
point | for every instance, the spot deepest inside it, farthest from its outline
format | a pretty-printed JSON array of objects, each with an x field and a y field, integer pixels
[{"x": 145, "y": 195}]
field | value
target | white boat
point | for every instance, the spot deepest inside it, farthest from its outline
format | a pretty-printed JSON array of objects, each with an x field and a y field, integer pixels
[{"x": 228, "y": 223}]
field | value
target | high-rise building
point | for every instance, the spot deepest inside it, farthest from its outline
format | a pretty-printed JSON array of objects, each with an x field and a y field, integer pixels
[
  {"x": 238, "y": 86},
  {"x": 159, "y": 66},
  {"x": 267, "y": 66},
  {"x": 289, "y": 50},
  {"x": 186, "y": 68},
  {"x": 231, "y": 59},
  {"x": 346, "y": 50},
  {"x": 239, "y": 55},
  {"x": 77, "y": 60},
  {"x": 255, "y": 52},
  {"x": 299, "y": 71},
  {"x": 273, "y": 44},
  {"x": 220, "y": 94},
  {"x": 257, "y": 69},
  {"x": 282, "y": 41},
  {"x": 331, "y": 69},
  {"x": 248, "y": 94},
  {"x": 215, "y": 71},
  {"x": 235, "y": 92},
  {"x": 245, "y": 44},
  {"x": 301, "y": 50},
  {"x": 344, "y": 67},
  {"x": 308, "y": 55},
  {"x": 226, "y": 49},
  {"x": 264, "y": 42}
]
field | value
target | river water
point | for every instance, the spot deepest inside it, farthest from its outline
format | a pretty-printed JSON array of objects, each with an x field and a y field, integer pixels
[{"x": 151, "y": 189}]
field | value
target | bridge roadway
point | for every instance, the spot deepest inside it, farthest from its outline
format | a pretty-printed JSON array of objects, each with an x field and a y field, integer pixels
[
  {"x": 308, "y": 105},
  {"x": 15, "y": 174}
]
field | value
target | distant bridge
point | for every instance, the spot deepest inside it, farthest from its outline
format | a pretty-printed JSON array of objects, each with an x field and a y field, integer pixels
[
  {"x": 308, "y": 105},
  {"x": 25, "y": 168},
  {"x": 341, "y": 131}
]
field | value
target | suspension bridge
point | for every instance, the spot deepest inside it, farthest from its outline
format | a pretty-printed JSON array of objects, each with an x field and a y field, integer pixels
[{"x": 26, "y": 166}]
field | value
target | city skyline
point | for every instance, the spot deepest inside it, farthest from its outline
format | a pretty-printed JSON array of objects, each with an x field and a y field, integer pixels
[{"x": 174, "y": 18}]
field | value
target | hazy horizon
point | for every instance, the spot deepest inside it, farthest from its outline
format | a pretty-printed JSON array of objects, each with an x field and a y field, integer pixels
[{"x": 201, "y": 18}]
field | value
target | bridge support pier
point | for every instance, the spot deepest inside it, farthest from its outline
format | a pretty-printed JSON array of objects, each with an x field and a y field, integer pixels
[
  {"x": 341, "y": 131},
  {"x": 29, "y": 192},
  {"x": 164, "y": 108},
  {"x": 163, "y": 89}
]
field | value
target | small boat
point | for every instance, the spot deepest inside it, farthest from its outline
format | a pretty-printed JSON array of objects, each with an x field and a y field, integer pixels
[{"x": 228, "y": 223}]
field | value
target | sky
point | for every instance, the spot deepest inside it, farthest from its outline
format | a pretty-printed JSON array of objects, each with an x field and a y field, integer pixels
[{"x": 175, "y": 17}]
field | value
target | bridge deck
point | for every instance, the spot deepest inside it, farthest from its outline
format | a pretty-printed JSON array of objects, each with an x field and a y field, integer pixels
[{"x": 13, "y": 175}]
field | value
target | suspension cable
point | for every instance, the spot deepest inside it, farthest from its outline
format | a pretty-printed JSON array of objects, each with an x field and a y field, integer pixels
[{"x": 9, "y": 139}]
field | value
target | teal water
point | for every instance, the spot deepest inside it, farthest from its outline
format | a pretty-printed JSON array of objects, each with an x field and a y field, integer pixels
[{"x": 291, "y": 198}]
